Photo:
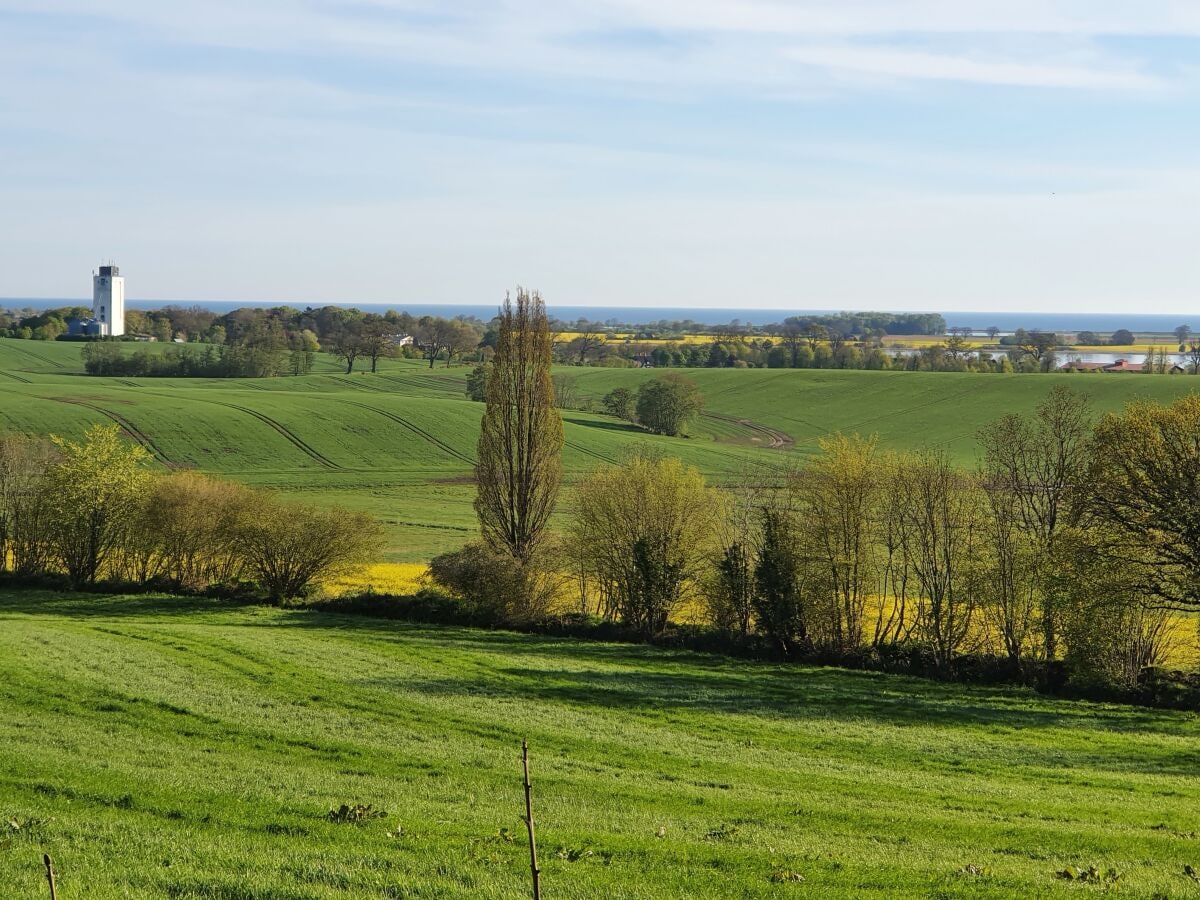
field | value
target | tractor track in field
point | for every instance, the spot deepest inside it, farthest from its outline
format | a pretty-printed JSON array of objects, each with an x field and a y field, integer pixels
[
  {"x": 586, "y": 452},
  {"x": 42, "y": 359},
  {"x": 14, "y": 377},
  {"x": 132, "y": 430},
  {"x": 433, "y": 383},
  {"x": 279, "y": 427},
  {"x": 283, "y": 430},
  {"x": 370, "y": 388},
  {"x": 776, "y": 440},
  {"x": 420, "y": 432}
]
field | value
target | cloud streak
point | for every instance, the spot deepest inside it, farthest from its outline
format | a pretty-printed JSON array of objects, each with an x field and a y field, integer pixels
[
  {"x": 751, "y": 43},
  {"x": 863, "y": 152}
]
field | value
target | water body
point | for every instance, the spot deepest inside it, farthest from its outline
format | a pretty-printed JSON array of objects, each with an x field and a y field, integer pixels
[
  {"x": 1101, "y": 323},
  {"x": 1062, "y": 357}
]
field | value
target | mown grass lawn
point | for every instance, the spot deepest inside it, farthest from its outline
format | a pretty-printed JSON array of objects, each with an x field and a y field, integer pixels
[{"x": 162, "y": 747}]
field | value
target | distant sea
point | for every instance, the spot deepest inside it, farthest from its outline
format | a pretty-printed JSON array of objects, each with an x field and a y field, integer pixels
[{"x": 1102, "y": 323}]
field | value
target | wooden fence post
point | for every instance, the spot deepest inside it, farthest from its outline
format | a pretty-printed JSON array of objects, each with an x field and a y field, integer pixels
[
  {"x": 50, "y": 875},
  {"x": 533, "y": 863}
]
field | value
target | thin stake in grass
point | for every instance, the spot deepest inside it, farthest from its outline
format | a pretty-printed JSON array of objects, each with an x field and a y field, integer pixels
[
  {"x": 533, "y": 863},
  {"x": 50, "y": 875}
]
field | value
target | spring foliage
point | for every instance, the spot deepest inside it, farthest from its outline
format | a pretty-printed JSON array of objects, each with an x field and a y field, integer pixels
[
  {"x": 519, "y": 463},
  {"x": 94, "y": 510}
]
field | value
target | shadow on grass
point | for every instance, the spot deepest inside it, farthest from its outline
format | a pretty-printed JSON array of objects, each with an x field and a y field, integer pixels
[
  {"x": 626, "y": 427},
  {"x": 643, "y": 679},
  {"x": 50, "y": 602},
  {"x": 633, "y": 676},
  {"x": 780, "y": 694}
]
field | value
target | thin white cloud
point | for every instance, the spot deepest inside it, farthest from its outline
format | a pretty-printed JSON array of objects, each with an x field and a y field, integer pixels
[
  {"x": 705, "y": 41},
  {"x": 923, "y": 66},
  {"x": 320, "y": 143},
  {"x": 848, "y": 18}
]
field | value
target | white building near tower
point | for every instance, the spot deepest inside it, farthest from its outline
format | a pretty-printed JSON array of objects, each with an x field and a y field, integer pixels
[{"x": 108, "y": 300}]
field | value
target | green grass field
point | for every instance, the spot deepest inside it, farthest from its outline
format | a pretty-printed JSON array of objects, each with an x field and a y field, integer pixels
[
  {"x": 181, "y": 749},
  {"x": 400, "y": 443},
  {"x": 175, "y": 748}
]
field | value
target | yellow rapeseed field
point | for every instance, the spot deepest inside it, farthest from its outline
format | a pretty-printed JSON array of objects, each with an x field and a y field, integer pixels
[
  {"x": 1184, "y": 641},
  {"x": 565, "y": 336},
  {"x": 380, "y": 578},
  {"x": 929, "y": 340}
]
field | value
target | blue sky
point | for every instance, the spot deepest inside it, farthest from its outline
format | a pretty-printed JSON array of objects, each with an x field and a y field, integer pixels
[{"x": 1016, "y": 155}]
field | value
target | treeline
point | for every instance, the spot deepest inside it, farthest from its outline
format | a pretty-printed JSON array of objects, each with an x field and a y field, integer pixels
[
  {"x": 262, "y": 343},
  {"x": 38, "y": 325},
  {"x": 92, "y": 512},
  {"x": 1059, "y": 559},
  {"x": 846, "y": 324},
  {"x": 1023, "y": 352},
  {"x": 191, "y": 361},
  {"x": 954, "y": 355}
]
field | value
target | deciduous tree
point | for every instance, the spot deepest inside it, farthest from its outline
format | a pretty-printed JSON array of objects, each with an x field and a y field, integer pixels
[
  {"x": 1040, "y": 460},
  {"x": 287, "y": 547},
  {"x": 1144, "y": 490},
  {"x": 519, "y": 465},
  {"x": 375, "y": 340},
  {"x": 94, "y": 490},
  {"x": 24, "y": 503},
  {"x": 649, "y": 528},
  {"x": 348, "y": 345},
  {"x": 837, "y": 501},
  {"x": 667, "y": 405},
  {"x": 621, "y": 403},
  {"x": 940, "y": 522}
]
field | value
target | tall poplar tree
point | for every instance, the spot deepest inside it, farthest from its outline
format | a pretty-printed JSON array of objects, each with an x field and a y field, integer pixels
[{"x": 519, "y": 465}]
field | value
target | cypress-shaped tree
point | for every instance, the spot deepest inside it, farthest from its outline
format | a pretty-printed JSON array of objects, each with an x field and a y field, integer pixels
[{"x": 519, "y": 464}]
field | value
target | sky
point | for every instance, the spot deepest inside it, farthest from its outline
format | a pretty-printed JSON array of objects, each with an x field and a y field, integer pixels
[{"x": 1009, "y": 155}]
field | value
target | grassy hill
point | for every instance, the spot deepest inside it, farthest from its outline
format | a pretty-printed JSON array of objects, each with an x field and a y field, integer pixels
[
  {"x": 182, "y": 749},
  {"x": 400, "y": 443}
]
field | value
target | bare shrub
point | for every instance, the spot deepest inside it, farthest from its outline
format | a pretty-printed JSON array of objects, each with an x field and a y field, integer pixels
[{"x": 287, "y": 547}]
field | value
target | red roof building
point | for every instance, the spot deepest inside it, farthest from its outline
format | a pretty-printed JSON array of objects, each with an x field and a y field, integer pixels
[{"x": 1121, "y": 365}]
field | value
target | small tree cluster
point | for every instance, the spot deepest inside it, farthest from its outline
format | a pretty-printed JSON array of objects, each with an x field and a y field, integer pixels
[
  {"x": 1068, "y": 542},
  {"x": 93, "y": 510},
  {"x": 669, "y": 404}
]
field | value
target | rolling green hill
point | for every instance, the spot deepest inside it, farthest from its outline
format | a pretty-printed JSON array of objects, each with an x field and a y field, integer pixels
[
  {"x": 176, "y": 748},
  {"x": 400, "y": 443}
]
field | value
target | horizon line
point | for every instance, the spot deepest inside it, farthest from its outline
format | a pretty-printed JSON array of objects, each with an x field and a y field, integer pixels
[{"x": 830, "y": 310}]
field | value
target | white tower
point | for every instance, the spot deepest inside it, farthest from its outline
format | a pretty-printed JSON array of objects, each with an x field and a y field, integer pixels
[{"x": 108, "y": 300}]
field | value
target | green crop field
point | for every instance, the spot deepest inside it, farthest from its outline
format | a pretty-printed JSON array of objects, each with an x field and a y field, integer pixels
[
  {"x": 179, "y": 748},
  {"x": 182, "y": 749},
  {"x": 400, "y": 443}
]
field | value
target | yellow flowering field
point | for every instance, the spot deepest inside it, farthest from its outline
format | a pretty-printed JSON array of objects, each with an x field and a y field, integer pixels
[{"x": 381, "y": 578}]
